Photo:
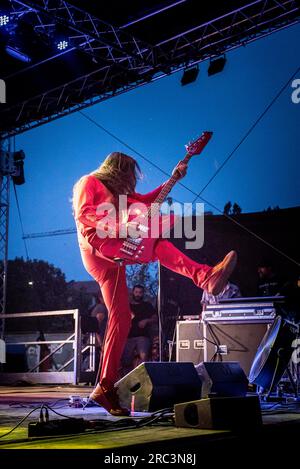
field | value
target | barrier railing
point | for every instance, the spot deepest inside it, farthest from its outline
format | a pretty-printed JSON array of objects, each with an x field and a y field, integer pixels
[{"x": 62, "y": 374}]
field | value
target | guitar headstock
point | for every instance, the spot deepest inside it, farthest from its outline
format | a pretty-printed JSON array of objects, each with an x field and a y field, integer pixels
[{"x": 195, "y": 147}]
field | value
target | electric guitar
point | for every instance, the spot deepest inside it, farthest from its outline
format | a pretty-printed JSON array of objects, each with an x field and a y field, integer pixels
[{"x": 135, "y": 250}]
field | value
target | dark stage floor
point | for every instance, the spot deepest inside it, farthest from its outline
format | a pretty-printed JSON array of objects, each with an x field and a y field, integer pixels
[{"x": 279, "y": 434}]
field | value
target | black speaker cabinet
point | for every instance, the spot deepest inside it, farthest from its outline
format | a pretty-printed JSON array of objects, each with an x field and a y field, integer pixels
[
  {"x": 222, "y": 379},
  {"x": 157, "y": 385},
  {"x": 233, "y": 342},
  {"x": 220, "y": 413}
]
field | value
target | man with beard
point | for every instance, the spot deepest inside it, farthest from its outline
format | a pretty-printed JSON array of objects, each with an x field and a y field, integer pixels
[{"x": 139, "y": 339}]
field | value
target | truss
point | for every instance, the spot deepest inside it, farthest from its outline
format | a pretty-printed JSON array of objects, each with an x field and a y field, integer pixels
[
  {"x": 4, "y": 218},
  {"x": 124, "y": 61}
]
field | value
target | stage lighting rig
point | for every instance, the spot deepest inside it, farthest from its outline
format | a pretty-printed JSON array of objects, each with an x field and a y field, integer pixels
[
  {"x": 20, "y": 39},
  {"x": 4, "y": 20},
  {"x": 189, "y": 75},
  {"x": 62, "y": 45},
  {"x": 61, "y": 37},
  {"x": 216, "y": 65},
  {"x": 17, "y": 53},
  {"x": 18, "y": 174},
  {"x": 12, "y": 164}
]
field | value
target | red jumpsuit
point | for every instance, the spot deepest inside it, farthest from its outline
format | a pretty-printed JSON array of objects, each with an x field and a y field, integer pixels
[{"x": 88, "y": 194}]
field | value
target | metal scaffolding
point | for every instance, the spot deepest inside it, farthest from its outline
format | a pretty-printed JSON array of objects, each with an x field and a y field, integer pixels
[
  {"x": 6, "y": 169},
  {"x": 123, "y": 61}
]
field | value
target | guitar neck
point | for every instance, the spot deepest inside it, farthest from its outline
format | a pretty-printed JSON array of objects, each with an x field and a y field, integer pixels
[
  {"x": 168, "y": 186},
  {"x": 194, "y": 148}
]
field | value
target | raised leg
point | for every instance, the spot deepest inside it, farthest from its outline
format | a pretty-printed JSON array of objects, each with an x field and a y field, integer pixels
[
  {"x": 175, "y": 260},
  {"x": 211, "y": 279}
]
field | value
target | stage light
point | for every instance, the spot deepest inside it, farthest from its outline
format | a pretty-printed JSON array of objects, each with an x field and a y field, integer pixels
[
  {"x": 189, "y": 75},
  {"x": 62, "y": 45},
  {"x": 216, "y": 65},
  {"x": 4, "y": 19},
  {"x": 16, "y": 53},
  {"x": 18, "y": 176}
]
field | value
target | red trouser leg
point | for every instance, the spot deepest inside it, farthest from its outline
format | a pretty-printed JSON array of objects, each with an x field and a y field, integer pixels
[
  {"x": 172, "y": 258},
  {"x": 112, "y": 281}
]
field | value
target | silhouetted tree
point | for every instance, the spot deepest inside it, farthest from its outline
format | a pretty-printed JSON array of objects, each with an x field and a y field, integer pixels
[
  {"x": 272, "y": 209},
  {"x": 230, "y": 209},
  {"x": 36, "y": 285},
  {"x": 227, "y": 208},
  {"x": 236, "y": 209}
]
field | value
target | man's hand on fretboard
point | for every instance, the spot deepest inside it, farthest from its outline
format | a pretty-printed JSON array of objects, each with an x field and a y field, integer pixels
[{"x": 180, "y": 170}]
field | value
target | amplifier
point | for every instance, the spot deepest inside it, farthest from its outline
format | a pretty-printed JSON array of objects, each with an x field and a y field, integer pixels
[
  {"x": 221, "y": 339},
  {"x": 240, "y": 312},
  {"x": 189, "y": 341},
  {"x": 233, "y": 341}
]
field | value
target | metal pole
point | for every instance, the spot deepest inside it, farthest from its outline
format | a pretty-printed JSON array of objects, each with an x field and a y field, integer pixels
[
  {"x": 5, "y": 146},
  {"x": 159, "y": 313},
  {"x": 77, "y": 348}
]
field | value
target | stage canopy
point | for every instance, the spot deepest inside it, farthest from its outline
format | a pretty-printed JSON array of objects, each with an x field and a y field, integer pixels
[{"x": 59, "y": 57}]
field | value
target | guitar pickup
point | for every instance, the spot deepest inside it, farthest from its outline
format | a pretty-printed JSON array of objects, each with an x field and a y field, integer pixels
[
  {"x": 129, "y": 246},
  {"x": 126, "y": 252},
  {"x": 134, "y": 240}
]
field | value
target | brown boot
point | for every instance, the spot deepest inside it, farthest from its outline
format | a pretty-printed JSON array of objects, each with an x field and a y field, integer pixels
[
  {"x": 108, "y": 398},
  {"x": 218, "y": 277}
]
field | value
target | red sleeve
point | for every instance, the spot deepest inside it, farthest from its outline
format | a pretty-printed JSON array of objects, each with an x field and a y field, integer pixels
[
  {"x": 85, "y": 209},
  {"x": 147, "y": 198}
]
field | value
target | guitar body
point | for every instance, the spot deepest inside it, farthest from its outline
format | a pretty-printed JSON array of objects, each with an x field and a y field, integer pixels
[
  {"x": 130, "y": 250},
  {"x": 135, "y": 250}
]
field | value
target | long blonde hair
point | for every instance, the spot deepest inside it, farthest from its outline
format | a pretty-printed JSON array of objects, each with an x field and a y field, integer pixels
[{"x": 119, "y": 173}]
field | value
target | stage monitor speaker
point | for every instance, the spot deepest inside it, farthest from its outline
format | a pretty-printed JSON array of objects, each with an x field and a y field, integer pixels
[
  {"x": 220, "y": 413},
  {"x": 222, "y": 379},
  {"x": 233, "y": 342},
  {"x": 157, "y": 385}
]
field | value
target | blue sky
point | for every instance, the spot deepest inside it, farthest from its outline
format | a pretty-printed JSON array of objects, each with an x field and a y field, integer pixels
[{"x": 157, "y": 120}]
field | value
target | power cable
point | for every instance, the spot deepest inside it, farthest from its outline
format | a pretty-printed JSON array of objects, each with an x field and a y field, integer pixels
[
  {"x": 104, "y": 425},
  {"x": 21, "y": 421}
]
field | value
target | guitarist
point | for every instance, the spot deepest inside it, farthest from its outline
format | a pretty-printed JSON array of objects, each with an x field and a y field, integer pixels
[{"x": 118, "y": 175}]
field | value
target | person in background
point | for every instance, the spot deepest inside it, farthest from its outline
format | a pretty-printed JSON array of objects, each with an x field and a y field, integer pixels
[
  {"x": 269, "y": 283},
  {"x": 139, "y": 342},
  {"x": 291, "y": 293},
  {"x": 230, "y": 291},
  {"x": 98, "y": 311}
]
